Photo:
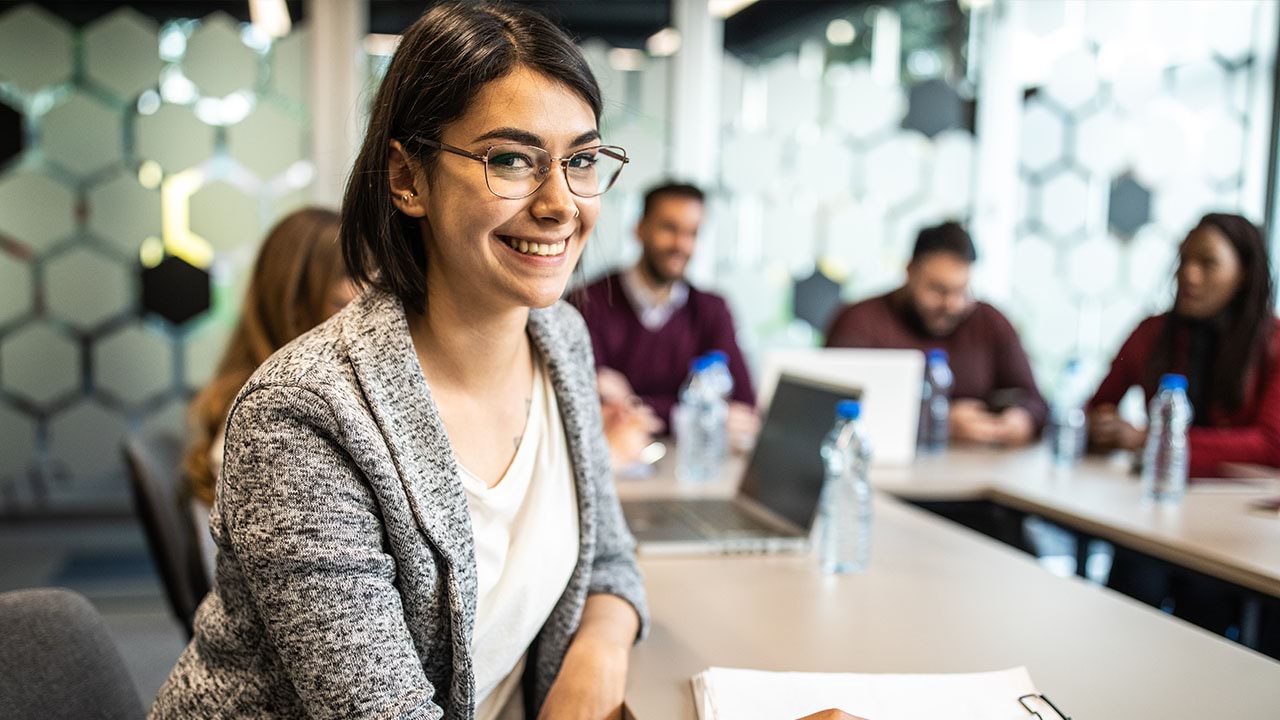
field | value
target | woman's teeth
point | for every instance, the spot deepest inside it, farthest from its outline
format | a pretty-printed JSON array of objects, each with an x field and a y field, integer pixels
[{"x": 529, "y": 248}]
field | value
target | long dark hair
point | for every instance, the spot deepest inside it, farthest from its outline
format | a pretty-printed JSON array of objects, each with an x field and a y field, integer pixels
[
  {"x": 443, "y": 61},
  {"x": 1246, "y": 323}
]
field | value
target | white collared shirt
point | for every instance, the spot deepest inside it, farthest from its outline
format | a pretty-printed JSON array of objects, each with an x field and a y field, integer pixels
[{"x": 653, "y": 310}]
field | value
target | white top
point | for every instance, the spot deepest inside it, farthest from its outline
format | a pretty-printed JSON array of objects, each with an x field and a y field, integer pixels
[{"x": 526, "y": 538}]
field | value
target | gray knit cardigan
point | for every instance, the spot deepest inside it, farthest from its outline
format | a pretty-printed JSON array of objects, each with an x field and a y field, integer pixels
[{"x": 346, "y": 575}]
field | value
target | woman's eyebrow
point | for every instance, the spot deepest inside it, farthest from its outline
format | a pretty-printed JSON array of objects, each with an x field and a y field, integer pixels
[
  {"x": 509, "y": 133},
  {"x": 528, "y": 138}
]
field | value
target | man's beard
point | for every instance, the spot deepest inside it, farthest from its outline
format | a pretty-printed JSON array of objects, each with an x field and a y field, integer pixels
[
  {"x": 916, "y": 319},
  {"x": 655, "y": 272}
]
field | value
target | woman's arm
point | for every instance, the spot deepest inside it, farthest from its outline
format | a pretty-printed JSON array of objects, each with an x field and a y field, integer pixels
[
  {"x": 1257, "y": 443},
  {"x": 306, "y": 534},
  {"x": 593, "y": 677}
]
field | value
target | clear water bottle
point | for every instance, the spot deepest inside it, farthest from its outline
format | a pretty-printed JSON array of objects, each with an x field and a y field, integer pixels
[
  {"x": 699, "y": 424},
  {"x": 843, "y": 532},
  {"x": 1164, "y": 462},
  {"x": 722, "y": 381},
  {"x": 1067, "y": 420},
  {"x": 935, "y": 403},
  {"x": 721, "y": 377}
]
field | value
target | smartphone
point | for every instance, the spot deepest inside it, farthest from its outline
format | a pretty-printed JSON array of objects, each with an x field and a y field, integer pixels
[{"x": 1268, "y": 507}]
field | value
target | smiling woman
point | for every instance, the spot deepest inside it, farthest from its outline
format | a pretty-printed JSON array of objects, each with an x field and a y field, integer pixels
[{"x": 415, "y": 517}]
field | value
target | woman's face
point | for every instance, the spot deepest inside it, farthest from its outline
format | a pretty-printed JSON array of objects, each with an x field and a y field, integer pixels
[
  {"x": 1209, "y": 274},
  {"x": 474, "y": 237}
]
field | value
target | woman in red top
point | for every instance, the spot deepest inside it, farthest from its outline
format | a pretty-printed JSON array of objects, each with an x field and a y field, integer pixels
[{"x": 1222, "y": 334}]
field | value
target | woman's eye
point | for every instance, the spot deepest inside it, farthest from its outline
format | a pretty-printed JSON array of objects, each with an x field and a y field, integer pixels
[
  {"x": 582, "y": 161},
  {"x": 512, "y": 161}
]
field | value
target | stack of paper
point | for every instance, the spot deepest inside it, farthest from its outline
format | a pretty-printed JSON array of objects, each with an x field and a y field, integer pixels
[{"x": 729, "y": 694}]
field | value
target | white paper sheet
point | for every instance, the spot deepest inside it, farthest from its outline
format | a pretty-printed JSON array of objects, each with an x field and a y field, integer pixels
[{"x": 729, "y": 694}]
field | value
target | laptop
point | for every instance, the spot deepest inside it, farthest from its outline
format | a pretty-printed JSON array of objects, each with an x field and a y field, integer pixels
[
  {"x": 887, "y": 381},
  {"x": 777, "y": 500}
]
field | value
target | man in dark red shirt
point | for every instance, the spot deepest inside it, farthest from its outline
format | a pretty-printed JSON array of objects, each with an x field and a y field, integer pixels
[
  {"x": 648, "y": 323},
  {"x": 994, "y": 399}
]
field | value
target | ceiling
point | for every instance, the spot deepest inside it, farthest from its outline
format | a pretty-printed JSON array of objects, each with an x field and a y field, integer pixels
[{"x": 762, "y": 29}]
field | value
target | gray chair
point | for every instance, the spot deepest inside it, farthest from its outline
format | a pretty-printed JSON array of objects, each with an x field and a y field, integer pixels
[
  {"x": 57, "y": 661},
  {"x": 155, "y": 480}
]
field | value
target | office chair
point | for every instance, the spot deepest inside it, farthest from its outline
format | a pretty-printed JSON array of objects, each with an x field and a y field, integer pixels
[
  {"x": 58, "y": 661},
  {"x": 154, "y": 480}
]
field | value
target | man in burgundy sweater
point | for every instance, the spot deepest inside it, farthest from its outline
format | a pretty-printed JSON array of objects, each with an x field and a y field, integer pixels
[
  {"x": 994, "y": 400},
  {"x": 648, "y": 324}
]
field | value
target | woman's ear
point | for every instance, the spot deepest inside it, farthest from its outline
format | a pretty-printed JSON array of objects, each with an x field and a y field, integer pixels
[{"x": 402, "y": 180}]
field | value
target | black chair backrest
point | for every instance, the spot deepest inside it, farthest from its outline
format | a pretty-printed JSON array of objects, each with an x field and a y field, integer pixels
[
  {"x": 58, "y": 662},
  {"x": 155, "y": 480}
]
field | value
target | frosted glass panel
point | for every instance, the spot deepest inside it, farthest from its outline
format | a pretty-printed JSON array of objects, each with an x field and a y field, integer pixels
[
  {"x": 134, "y": 364},
  {"x": 85, "y": 287},
  {"x": 39, "y": 363},
  {"x": 120, "y": 53}
]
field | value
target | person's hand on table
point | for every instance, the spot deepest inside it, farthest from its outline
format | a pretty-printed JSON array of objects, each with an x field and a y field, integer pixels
[
  {"x": 1108, "y": 431},
  {"x": 613, "y": 386},
  {"x": 971, "y": 422},
  {"x": 1015, "y": 426},
  {"x": 629, "y": 428},
  {"x": 742, "y": 426},
  {"x": 831, "y": 714}
]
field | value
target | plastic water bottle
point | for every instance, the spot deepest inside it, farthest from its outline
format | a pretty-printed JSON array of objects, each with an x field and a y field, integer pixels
[
  {"x": 699, "y": 423},
  {"x": 1067, "y": 421},
  {"x": 1164, "y": 462},
  {"x": 844, "y": 513},
  {"x": 722, "y": 381},
  {"x": 935, "y": 403}
]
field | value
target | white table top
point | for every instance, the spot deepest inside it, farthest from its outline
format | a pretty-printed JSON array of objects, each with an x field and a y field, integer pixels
[
  {"x": 1213, "y": 530},
  {"x": 937, "y": 598}
]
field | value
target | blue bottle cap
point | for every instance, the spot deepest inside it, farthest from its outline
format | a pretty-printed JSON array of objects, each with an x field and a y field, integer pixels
[
  {"x": 719, "y": 356},
  {"x": 937, "y": 355},
  {"x": 701, "y": 363},
  {"x": 848, "y": 409},
  {"x": 1173, "y": 382}
]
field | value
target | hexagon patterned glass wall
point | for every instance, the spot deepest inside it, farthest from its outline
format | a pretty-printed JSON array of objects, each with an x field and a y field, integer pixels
[
  {"x": 1123, "y": 147},
  {"x": 101, "y": 127}
]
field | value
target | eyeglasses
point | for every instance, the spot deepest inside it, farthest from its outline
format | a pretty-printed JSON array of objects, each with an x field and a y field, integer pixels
[{"x": 515, "y": 171}]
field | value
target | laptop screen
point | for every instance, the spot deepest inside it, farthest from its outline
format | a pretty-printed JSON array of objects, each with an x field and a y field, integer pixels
[{"x": 785, "y": 473}]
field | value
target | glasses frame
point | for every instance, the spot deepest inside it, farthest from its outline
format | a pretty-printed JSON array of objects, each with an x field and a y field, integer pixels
[{"x": 563, "y": 162}]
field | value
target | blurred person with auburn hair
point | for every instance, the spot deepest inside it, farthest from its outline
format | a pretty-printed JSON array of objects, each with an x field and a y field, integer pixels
[{"x": 298, "y": 282}]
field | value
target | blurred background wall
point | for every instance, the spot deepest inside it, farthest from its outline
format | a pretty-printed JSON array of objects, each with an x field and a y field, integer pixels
[{"x": 146, "y": 147}]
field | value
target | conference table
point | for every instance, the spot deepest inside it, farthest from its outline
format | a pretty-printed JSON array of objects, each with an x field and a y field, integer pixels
[{"x": 939, "y": 598}]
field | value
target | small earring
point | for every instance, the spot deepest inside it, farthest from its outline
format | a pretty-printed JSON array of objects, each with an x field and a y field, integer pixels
[{"x": 576, "y": 213}]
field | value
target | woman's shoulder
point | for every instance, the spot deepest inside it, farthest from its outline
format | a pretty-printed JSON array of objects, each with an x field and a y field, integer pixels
[
  {"x": 318, "y": 362},
  {"x": 1149, "y": 329}
]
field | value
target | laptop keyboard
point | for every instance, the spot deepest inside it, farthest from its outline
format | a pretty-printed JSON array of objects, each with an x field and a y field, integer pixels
[{"x": 694, "y": 519}]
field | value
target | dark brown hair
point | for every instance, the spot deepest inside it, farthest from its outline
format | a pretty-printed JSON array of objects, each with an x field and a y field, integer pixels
[
  {"x": 443, "y": 61},
  {"x": 1246, "y": 323},
  {"x": 682, "y": 190},
  {"x": 288, "y": 294},
  {"x": 949, "y": 237}
]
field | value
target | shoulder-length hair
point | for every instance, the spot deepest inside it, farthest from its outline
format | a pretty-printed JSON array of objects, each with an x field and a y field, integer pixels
[
  {"x": 288, "y": 294},
  {"x": 442, "y": 62},
  {"x": 1246, "y": 323}
]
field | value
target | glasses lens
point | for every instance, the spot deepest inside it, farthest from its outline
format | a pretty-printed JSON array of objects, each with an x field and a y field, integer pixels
[
  {"x": 515, "y": 171},
  {"x": 592, "y": 172}
]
